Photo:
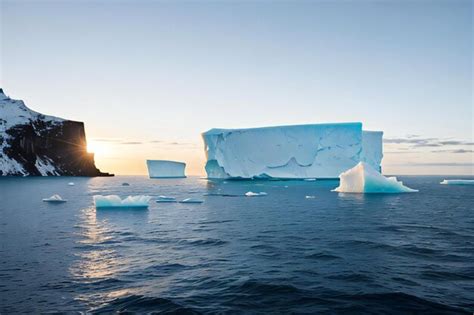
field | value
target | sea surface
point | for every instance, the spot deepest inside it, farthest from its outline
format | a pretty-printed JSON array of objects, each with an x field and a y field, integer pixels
[{"x": 279, "y": 253}]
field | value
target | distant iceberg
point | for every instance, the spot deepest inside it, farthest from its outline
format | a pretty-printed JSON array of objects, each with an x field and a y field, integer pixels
[
  {"x": 114, "y": 201},
  {"x": 165, "y": 199},
  {"x": 55, "y": 199},
  {"x": 457, "y": 182},
  {"x": 191, "y": 200},
  {"x": 364, "y": 179},
  {"x": 301, "y": 151},
  {"x": 165, "y": 169},
  {"x": 254, "y": 194}
]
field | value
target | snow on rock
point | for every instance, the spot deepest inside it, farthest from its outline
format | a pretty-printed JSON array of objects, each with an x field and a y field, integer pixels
[
  {"x": 457, "y": 182},
  {"x": 55, "y": 199},
  {"x": 362, "y": 178},
  {"x": 114, "y": 201},
  {"x": 302, "y": 151},
  {"x": 165, "y": 169}
]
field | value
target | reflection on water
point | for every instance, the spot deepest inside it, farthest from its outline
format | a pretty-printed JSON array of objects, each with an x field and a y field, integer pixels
[{"x": 99, "y": 264}]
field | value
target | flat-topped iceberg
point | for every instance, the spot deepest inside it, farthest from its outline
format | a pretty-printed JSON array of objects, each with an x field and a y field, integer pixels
[
  {"x": 191, "y": 200},
  {"x": 114, "y": 201},
  {"x": 362, "y": 178},
  {"x": 165, "y": 169},
  {"x": 457, "y": 182},
  {"x": 302, "y": 151},
  {"x": 165, "y": 199}
]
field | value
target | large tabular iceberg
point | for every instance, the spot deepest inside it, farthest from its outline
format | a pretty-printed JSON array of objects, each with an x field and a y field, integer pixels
[
  {"x": 165, "y": 169},
  {"x": 364, "y": 179},
  {"x": 302, "y": 151}
]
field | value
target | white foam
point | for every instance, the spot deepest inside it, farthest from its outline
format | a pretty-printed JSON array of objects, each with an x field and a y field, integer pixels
[
  {"x": 362, "y": 178},
  {"x": 114, "y": 201}
]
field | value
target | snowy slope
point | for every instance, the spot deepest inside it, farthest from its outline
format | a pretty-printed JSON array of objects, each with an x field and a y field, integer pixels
[{"x": 302, "y": 151}]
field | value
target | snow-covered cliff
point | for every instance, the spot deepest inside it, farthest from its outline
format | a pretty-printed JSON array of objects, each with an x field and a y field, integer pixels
[
  {"x": 302, "y": 151},
  {"x": 33, "y": 144}
]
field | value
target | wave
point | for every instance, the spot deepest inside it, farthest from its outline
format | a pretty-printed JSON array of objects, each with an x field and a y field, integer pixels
[{"x": 143, "y": 304}]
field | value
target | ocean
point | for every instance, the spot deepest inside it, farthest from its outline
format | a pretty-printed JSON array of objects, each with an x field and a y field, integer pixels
[{"x": 275, "y": 254}]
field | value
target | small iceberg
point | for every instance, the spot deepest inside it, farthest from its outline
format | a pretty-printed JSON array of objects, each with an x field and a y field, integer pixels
[
  {"x": 362, "y": 178},
  {"x": 191, "y": 200},
  {"x": 310, "y": 197},
  {"x": 457, "y": 182},
  {"x": 70, "y": 184},
  {"x": 165, "y": 199},
  {"x": 310, "y": 179},
  {"x": 114, "y": 201},
  {"x": 55, "y": 199},
  {"x": 254, "y": 194},
  {"x": 125, "y": 184}
]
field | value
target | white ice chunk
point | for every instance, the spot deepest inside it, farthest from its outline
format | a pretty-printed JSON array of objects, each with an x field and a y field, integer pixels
[
  {"x": 310, "y": 179},
  {"x": 458, "y": 182},
  {"x": 364, "y": 179},
  {"x": 254, "y": 194},
  {"x": 54, "y": 199},
  {"x": 114, "y": 201},
  {"x": 165, "y": 169},
  {"x": 302, "y": 151},
  {"x": 165, "y": 199},
  {"x": 310, "y": 197},
  {"x": 70, "y": 184},
  {"x": 191, "y": 200}
]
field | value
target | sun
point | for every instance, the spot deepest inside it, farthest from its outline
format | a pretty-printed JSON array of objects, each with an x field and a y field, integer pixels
[{"x": 95, "y": 147}]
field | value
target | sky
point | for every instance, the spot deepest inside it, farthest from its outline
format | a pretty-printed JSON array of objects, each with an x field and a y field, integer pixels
[{"x": 148, "y": 77}]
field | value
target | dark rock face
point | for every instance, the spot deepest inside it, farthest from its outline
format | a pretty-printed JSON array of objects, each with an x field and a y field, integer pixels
[{"x": 40, "y": 145}]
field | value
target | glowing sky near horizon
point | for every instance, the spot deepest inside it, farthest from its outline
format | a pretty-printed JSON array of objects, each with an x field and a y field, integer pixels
[{"x": 147, "y": 77}]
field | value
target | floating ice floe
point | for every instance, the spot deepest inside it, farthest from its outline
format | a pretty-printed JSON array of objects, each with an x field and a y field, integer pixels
[
  {"x": 114, "y": 201},
  {"x": 191, "y": 200},
  {"x": 362, "y": 178},
  {"x": 457, "y": 182},
  {"x": 55, "y": 199},
  {"x": 70, "y": 184},
  {"x": 310, "y": 179},
  {"x": 310, "y": 197},
  {"x": 254, "y": 194},
  {"x": 165, "y": 199},
  {"x": 125, "y": 184}
]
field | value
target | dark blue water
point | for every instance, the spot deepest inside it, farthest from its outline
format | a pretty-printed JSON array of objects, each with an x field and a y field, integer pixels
[{"x": 282, "y": 253}]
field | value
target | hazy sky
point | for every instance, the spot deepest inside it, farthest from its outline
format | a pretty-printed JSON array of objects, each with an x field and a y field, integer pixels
[{"x": 147, "y": 77}]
